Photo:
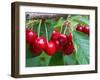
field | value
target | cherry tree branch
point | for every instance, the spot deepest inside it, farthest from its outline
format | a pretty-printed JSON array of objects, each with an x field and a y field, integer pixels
[{"x": 31, "y": 15}]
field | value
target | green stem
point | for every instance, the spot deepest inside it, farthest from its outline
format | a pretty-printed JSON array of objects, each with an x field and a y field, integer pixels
[
  {"x": 46, "y": 32},
  {"x": 61, "y": 29},
  {"x": 38, "y": 30},
  {"x": 61, "y": 18},
  {"x": 65, "y": 30}
]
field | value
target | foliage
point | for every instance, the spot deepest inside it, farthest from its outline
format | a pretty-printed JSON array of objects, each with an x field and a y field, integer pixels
[{"x": 80, "y": 41}]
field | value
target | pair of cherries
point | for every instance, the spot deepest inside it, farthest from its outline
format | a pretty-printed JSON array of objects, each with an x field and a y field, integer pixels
[
  {"x": 30, "y": 38},
  {"x": 84, "y": 29},
  {"x": 39, "y": 44},
  {"x": 63, "y": 42},
  {"x": 58, "y": 42}
]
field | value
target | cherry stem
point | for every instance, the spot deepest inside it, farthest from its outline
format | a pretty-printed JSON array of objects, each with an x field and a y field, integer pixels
[
  {"x": 39, "y": 28},
  {"x": 61, "y": 26},
  {"x": 65, "y": 30},
  {"x": 46, "y": 32},
  {"x": 61, "y": 29}
]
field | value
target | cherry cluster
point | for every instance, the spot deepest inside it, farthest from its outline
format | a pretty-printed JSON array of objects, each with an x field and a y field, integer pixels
[
  {"x": 58, "y": 42},
  {"x": 84, "y": 29}
]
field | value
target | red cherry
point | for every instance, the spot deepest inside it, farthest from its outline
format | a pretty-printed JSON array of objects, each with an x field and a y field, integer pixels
[
  {"x": 70, "y": 37},
  {"x": 68, "y": 49},
  {"x": 30, "y": 36},
  {"x": 86, "y": 30},
  {"x": 55, "y": 35},
  {"x": 40, "y": 42},
  {"x": 63, "y": 39},
  {"x": 79, "y": 28},
  {"x": 27, "y": 30},
  {"x": 58, "y": 46},
  {"x": 35, "y": 50},
  {"x": 51, "y": 48}
]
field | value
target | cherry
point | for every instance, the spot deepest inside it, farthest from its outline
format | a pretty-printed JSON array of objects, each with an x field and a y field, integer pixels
[
  {"x": 79, "y": 28},
  {"x": 35, "y": 50},
  {"x": 70, "y": 37},
  {"x": 50, "y": 48},
  {"x": 30, "y": 36},
  {"x": 68, "y": 49},
  {"x": 58, "y": 46},
  {"x": 63, "y": 39},
  {"x": 27, "y": 30},
  {"x": 55, "y": 35},
  {"x": 40, "y": 42},
  {"x": 86, "y": 30}
]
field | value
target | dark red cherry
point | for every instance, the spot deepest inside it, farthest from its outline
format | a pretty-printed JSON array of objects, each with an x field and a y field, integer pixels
[
  {"x": 35, "y": 50},
  {"x": 28, "y": 30},
  {"x": 70, "y": 37},
  {"x": 58, "y": 46},
  {"x": 30, "y": 36},
  {"x": 51, "y": 48},
  {"x": 63, "y": 39},
  {"x": 68, "y": 48},
  {"x": 79, "y": 28},
  {"x": 55, "y": 35},
  {"x": 86, "y": 30},
  {"x": 40, "y": 42}
]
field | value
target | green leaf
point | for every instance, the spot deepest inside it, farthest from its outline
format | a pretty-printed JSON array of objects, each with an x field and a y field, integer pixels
[
  {"x": 56, "y": 59},
  {"x": 70, "y": 59},
  {"x": 80, "y": 19},
  {"x": 50, "y": 28},
  {"x": 59, "y": 23},
  {"x": 50, "y": 22},
  {"x": 82, "y": 42},
  {"x": 41, "y": 60}
]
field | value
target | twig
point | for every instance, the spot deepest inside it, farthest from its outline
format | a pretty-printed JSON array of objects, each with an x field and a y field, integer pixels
[{"x": 31, "y": 15}]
